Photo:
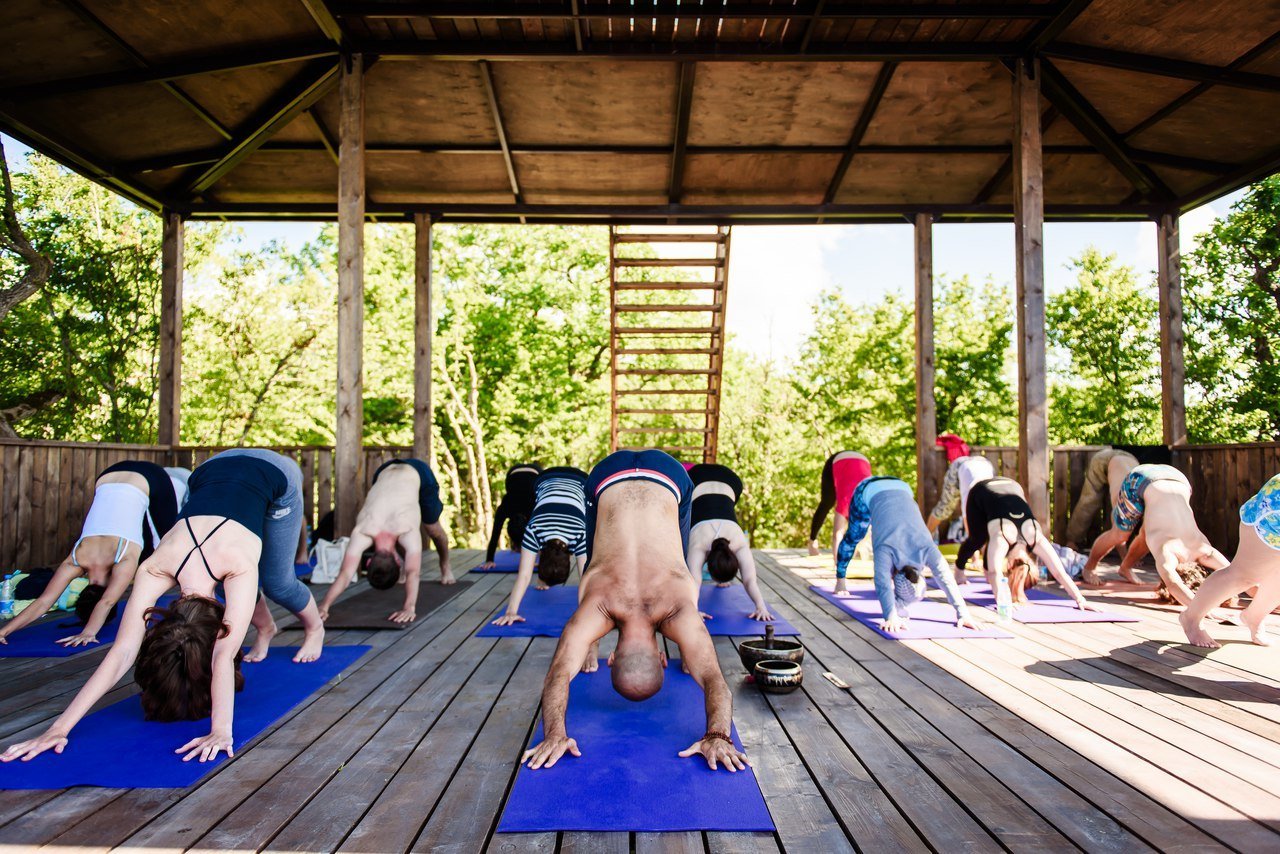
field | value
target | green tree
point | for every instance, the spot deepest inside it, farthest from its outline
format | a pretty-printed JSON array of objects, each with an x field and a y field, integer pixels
[
  {"x": 1232, "y": 294},
  {"x": 973, "y": 357},
  {"x": 1105, "y": 374}
]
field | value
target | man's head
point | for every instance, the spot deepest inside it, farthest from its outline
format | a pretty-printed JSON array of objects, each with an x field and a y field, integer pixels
[
  {"x": 553, "y": 562},
  {"x": 89, "y": 598},
  {"x": 1192, "y": 575},
  {"x": 722, "y": 563},
  {"x": 382, "y": 568},
  {"x": 637, "y": 666}
]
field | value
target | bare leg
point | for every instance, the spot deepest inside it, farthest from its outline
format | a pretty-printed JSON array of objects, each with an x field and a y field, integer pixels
[
  {"x": 1254, "y": 563},
  {"x": 313, "y": 633},
  {"x": 1106, "y": 543},
  {"x": 839, "y": 525},
  {"x": 266, "y": 627},
  {"x": 1265, "y": 598},
  {"x": 1136, "y": 552}
]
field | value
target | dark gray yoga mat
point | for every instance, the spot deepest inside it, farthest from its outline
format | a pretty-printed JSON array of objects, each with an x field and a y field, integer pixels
[{"x": 370, "y": 609}]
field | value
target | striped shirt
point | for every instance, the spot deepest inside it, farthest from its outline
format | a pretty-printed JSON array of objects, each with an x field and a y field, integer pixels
[{"x": 559, "y": 513}]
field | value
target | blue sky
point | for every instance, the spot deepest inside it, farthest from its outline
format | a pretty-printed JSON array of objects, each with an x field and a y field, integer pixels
[{"x": 776, "y": 272}]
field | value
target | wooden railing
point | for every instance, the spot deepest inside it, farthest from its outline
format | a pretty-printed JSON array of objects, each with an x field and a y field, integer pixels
[{"x": 46, "y": 487}]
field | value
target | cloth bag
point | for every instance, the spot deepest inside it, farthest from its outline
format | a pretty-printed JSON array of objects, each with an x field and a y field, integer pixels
[{"x": 328, "y": 555}]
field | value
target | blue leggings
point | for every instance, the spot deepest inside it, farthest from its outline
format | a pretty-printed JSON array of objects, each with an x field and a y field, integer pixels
[
  {"x": 652, "y": 465},
  {"x": 280, "y": 534}
]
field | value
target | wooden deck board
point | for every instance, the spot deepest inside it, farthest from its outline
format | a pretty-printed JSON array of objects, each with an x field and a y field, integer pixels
[{"x": 1105, "y": 737}]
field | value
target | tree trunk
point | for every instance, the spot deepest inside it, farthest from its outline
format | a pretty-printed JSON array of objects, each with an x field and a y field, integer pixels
[{"x": 14, "y": 240}]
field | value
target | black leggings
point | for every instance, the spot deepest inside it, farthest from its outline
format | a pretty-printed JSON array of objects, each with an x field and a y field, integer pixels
[{"x": 828, "y": 499}]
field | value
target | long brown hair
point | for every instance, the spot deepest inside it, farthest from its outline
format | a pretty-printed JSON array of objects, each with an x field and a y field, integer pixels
[{"x": 175, "y": 661}]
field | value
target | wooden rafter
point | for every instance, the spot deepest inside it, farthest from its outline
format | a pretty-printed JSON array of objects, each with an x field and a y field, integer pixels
[
  {"x": 328, "y": 140},
  {"x": 1163, "y": 67},
  {"x": 495, "y": 110},
  {"x": 1006, "y": 168},
  {"x": 694, "y": 51},
  {"x": 294, "y": 98},
  {"x": 1256, "y": 170},
  {"x": 1064, "y": 15},
  {"x": 812, "y": 26},
  {"x": 1086, "y": 119},
  {"x": 139, "y": 60},
  {"x": 683, "y": 107},
  {"x": 860, "y": 129},
  {"x": 325, "y": 20},
  {"x": 587, "y": 9}
]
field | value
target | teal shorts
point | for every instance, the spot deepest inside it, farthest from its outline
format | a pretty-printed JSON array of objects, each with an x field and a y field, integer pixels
[
  {"x": 1132, "y": 505},
  {"x": 1262, "y": 513}
]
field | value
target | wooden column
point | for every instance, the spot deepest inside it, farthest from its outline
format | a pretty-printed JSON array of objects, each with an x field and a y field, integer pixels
[
  {"x": 926, "y": 405},
  {"x": 423, "y": 328},
  {"x": 1028, "y": 218},
  {"x": 170, "y": 379},
  {"x": 349, "y": 452},
  {"x": 1172, "y": 368}
]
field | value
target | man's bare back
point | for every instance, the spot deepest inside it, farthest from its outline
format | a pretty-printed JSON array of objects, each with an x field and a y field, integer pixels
[{"x": 392, "y": 504}]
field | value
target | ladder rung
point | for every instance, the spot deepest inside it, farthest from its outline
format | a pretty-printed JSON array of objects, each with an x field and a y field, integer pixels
[
  {"x": 667, "y": 330},
  {"x": 655, "y": 307},
  {"x": 668, "y": 286},
  {"x": 663, "y": 411},
  {"x": 699, "y": 392},
  {"x": 666, "y": 351},
  {"x": 651, "y": 237},
  {"x": 668, "y": 262},
  {"x": 665, "y": 372},
  {"x": 670, "y": 448},
  {"x": 663, "y": 430}
]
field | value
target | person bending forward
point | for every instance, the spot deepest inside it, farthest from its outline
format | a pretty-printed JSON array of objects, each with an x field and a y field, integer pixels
[
  {"x": 513, "y": 510},
  {"x": 637, "y": 582},
  {"x": 716, "y": 539}
]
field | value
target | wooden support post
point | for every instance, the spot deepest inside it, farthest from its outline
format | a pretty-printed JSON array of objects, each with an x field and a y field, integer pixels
[
  {"x": 423, "y": 328},
  {"x": 171, "y": 261},
  {"x": 1028, "y": 206},
  {"x": 1172, "y": 368},
  {"x": 351, "y": 203},
  {"x": 926, "y": 405}
]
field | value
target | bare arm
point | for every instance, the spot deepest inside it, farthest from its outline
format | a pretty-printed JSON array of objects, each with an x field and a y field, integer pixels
[
  {"x": 117, "y": 583},
  {"x": 241, "y": 590},
  {"x": 350, "y": 562},
  {"x": 750, "y": 583},
  {"x": 440, "y": 537},
  {"x": 147, "y": 588},
  {"x": 412, "y": 543},
  {"x": 699, "y": 653},
  {"x": 696, "y": 557},
  {"x": 1050, "y": 559},
  {"x": 65, "y": 574},
  {"x": 1167, "y": 566},
  {"x": 524, "y": 575}
]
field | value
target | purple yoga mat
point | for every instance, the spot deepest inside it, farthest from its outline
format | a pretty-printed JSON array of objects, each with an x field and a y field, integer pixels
[
  {"x": 504, "y": 561},
  {"x": 629, "y": 777},
  {"x": 929, "y": 619},
  {"x": 1044, "y": 608}
]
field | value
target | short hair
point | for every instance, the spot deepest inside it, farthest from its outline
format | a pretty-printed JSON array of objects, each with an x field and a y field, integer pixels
[
  {"x": 1192, "y": 575},
  {"x": 174, "y": 668},
  {"x": 637, "y": 674},
  {"x": 722, "y": 563},
  {"x": 382, "y": 569},
  {"x": 88, "y": 599},
  {"x": 554, "y": 563}
]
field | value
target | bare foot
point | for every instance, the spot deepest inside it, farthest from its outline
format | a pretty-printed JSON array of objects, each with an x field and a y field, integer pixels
[
  {"x": 1090, "y": 577},
  {"x": 841, "y": 587},
  {"x": 1126, "y": 572},
  {"x": 446, "y": 576},
  {"x": 1195, "y": 634},
  {"x": 261, "y": 644},
  {"x": 1257, "y": 628},
  {"x": 592, "y": 662},
  {"x": 814, "y": 551},
  {"x": 312, "y": 645}
]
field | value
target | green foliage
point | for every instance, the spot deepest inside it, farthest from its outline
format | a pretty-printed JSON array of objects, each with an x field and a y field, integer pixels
[
  {"x": 973, "y": 332},
  {"x": 1105, "y": 363},
  {"x": 1232, "y": 303}
]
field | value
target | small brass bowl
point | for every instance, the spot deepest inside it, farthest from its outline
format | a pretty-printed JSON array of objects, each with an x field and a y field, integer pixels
[
  {"x": 778, "y": 677},
  {"x": 753, "y": 652}
]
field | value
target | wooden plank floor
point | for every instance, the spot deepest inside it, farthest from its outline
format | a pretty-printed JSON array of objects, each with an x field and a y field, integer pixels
[{"x": 1100, "y": 737}]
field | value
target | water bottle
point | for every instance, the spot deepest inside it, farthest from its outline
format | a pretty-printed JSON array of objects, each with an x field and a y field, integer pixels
[
  {"x": 1004, "y": 599},
  {"x": 6, "y": 597}
]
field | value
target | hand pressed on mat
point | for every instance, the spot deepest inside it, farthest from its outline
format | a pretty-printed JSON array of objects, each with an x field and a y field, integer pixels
[
  {"x": 548, "y": 753},
  {"x": 718, "y": 750},
  {"x": 207, "y": 747},
  {"x": 31, "y": 748}
]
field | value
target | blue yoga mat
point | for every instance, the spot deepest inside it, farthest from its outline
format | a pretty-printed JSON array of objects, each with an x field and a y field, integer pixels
[
  {"x": 629, "y": 777},
  {"x": 503, "y": 561},
  {"x": 546, "y": 611},
  {"x": 114, "y": 747},
  {"x": 39, "y": 640},
  {"x": 929, "y": 619}
]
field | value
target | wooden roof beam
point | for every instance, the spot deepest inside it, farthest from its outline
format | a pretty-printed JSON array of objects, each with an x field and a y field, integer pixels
[
  {"x": 1267, "y": 164},
  {"x": 684, "y": 105},
  {"x": 1163, "y": 67},
  {"x": 327, "y": 139},
  {"x": 1006, "y": 168},
  {"x": 1077, "y": 110},
  {"x": 320, "y": 13},
  {"x": 860, "y": 129},
  {"x": 139, "y": 60},
  {"x": 1063, "y": 16},
  {"x": 296, "y": 97},
  {"x": 878, "y": 51},
  {"x": 664, "y": 9},
  {"x": 486, "y": 75}
]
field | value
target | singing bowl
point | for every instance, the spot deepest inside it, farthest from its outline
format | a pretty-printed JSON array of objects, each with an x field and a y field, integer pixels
[
  {"x": 778, "y": 677},
  {"x": 753, "y": 652}
]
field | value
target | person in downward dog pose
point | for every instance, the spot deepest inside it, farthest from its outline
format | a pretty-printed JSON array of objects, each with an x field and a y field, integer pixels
[
  {"x": 1002, "y": 525},
  {"x": 239, "y": 529},
  {"x": 1105, "y": 475},
  {"x": 902, "y": 548},
  {"x": 638, "y": 583},
  {"x": 1256, "y": 565},
  {"x": 135, "y": 503},
  {"x": 716, "y": 539},
  {"x": 555, "y": 535},
  {"x": 1154, "y": 511},
  {"x": 962, "y": 473},
  {"x": 387, "y": 539},
  {"x": 841, "y": 474},
  {"x": 513, "y": 510}
]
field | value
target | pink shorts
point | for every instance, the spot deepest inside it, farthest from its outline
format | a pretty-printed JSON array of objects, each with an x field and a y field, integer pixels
[{"x": 847, "y": 474}]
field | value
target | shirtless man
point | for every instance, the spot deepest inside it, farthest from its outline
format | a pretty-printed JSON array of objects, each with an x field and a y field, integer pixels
[
  {"x": 638, "y": 505},
  {"x": 1155, "y": 501},
  {"x": 404, "y": 498}
]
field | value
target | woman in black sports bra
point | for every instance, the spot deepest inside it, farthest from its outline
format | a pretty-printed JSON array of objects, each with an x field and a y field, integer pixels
[{"x": 241, "y": 522}]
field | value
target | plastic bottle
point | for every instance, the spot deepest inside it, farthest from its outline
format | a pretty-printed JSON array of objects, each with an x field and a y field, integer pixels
[
  {"x": 1004, "y": 599},
  {"x": 6, "y": 597}
]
